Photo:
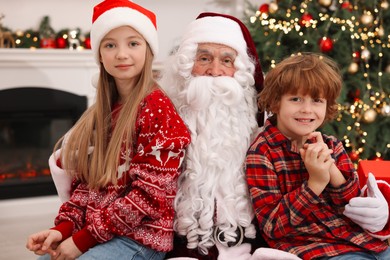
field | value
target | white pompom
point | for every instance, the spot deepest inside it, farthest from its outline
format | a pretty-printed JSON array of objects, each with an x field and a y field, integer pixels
[{"x": 95, "y": 80}]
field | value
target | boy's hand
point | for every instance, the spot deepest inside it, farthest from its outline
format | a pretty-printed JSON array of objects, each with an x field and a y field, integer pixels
[{"x": 317, "y": 160}]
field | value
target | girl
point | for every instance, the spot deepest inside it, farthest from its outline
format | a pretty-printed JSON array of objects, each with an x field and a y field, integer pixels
[{"x": 123, "y": 189}]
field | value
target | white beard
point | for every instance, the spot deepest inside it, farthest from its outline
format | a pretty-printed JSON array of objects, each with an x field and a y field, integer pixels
[{"x": 221, "y": 116}]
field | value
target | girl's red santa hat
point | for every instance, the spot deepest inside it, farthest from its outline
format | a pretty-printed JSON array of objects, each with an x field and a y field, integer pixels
[{"x": 111, "y": 14}]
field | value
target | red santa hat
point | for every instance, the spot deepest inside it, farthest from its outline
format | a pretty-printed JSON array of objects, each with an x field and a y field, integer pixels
[
  {"x": 227, "y": 30},
  {"x": 111, "y": 14},
  {"x": 230, "y": 31}
]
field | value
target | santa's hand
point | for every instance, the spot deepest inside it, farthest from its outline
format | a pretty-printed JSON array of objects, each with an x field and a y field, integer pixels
[
  {"x": 372, "y": 212},
  {"x": 240, "y": 252}
]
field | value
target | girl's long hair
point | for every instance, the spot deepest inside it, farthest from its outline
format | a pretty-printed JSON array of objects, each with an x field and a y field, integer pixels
[{"x": 95, "y": 128}]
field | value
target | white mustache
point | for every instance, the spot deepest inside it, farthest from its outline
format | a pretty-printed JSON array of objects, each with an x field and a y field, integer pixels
[{"x": 203, "y": 90}]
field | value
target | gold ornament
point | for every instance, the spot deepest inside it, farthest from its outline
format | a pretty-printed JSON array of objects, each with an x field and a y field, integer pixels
[
  {"x": 386, "y": 110},
  {"x": 381, "y": 31},
  {"x": 387, "y": 70},
  {"x": 325, "y": 3},
  {"x": 367, "y": 18},
  {"x": 369, "y": 116},
  {"x": 365, "y": 54},
  {"x": 385, "y": 5},
  {"x": 273, "y": 8},
  {"x": 353, "y": 68}
]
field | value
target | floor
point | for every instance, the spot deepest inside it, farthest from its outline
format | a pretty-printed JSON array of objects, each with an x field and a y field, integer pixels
[{"x": 21, "y": 217}]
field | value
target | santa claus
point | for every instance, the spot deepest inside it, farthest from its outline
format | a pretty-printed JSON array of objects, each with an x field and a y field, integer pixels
[{"x": 213, "y": 79}]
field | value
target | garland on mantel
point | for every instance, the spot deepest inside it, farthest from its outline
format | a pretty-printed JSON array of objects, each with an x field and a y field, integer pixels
[{"x": 45, "y": 37}]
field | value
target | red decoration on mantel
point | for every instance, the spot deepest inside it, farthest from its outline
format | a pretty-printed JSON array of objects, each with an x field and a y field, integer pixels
[
  {"x": 48, "y": 43},
  {"x": 87, "y": 43},
  {"x": 61, "y": 43}
]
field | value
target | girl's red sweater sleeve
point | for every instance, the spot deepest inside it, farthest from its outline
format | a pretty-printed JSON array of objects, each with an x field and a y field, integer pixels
[{"x": 83, "y": 239}]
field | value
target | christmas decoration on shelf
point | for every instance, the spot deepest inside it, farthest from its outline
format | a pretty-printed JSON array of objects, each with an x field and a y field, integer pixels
[
  {"x": 62, "y": 39},
  {"x": 87, "y": 41},
  {"x": 74, "y": 39},
  {"x": 46, "y": 34},
  {"x": 6, "y": 38},
  {"x": 353, "y": 33},
  {"x": 44, "y": 37}
]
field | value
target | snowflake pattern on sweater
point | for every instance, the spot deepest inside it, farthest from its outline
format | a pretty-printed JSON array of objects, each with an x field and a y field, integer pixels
[{"x": 141, "y": 205}]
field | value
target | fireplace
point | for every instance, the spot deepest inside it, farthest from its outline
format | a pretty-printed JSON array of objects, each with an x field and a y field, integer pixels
[
  {"x": 42, "y": 94},
  {"x": 32, "y": 119}
]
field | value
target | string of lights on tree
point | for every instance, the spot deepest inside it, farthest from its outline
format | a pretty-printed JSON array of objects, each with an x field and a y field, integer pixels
[{"x": 354, "y": 34}]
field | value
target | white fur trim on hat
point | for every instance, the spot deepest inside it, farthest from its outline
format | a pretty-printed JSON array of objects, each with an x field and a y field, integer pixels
[
  {"x": 216, "y": 29},
  {"x": 120, "y": 16}
]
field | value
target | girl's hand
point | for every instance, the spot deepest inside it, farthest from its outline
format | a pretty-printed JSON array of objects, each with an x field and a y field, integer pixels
[
  {"x": 67, "y": 250},
  {"x": 44, "y": 242}
]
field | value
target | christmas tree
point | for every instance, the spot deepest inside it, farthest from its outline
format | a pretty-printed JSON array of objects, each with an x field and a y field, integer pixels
[{"x": 353, "y": 33}]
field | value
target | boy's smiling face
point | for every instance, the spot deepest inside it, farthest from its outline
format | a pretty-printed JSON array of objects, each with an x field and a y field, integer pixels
[{"x": 299, "y": 115}]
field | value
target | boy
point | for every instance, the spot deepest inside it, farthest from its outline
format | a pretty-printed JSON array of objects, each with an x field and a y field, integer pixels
[{"x": 299, "y": 179}]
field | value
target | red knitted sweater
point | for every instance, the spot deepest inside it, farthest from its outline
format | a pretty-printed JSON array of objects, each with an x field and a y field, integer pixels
[{"x": 141, "y": 205}]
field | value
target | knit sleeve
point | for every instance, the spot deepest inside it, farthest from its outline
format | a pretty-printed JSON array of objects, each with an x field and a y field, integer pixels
[{"x": 73, "y": 210}]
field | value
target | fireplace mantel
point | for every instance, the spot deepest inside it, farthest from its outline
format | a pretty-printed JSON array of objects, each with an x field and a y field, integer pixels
[{"x": 61, "y": 69}]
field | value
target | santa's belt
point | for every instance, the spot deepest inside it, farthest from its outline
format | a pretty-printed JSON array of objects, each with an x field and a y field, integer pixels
[{"x": 219, "y": 237}]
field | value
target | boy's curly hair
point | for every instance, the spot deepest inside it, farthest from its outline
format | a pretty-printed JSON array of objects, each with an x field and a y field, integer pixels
[{"x": 304, "y": 73}]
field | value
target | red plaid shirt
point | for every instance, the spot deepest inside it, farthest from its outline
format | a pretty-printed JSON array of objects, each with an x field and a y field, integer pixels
[{"x": 291, "y": 216}]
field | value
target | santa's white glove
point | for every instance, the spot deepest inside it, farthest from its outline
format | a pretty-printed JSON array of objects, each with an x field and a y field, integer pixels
[
  {"x": 62, "y": 180},
  {"x": 371, "y": 212},
  {"x": 241, "y": 252}
]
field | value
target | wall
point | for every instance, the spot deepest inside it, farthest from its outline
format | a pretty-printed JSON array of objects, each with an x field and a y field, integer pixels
[{"x": 172, "y": 15}]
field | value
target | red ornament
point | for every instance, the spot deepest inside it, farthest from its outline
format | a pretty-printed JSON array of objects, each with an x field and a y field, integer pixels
[
  {"x": 347, "y": 6},
  {"x": 354, "y": 155},
  {"x": 47, "y": 43},
  {"x": 354, "y": 95},
  {"x": 326, "y": 44},
  {"x": 87, "y": 43},
  {"x": 61, "y": 43},
  {"x": 305, "y": 20},
  {"x": 376, "y": 158},
  {"x": 264, "y": 8},
  {"x": 356, "y": 56}
]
